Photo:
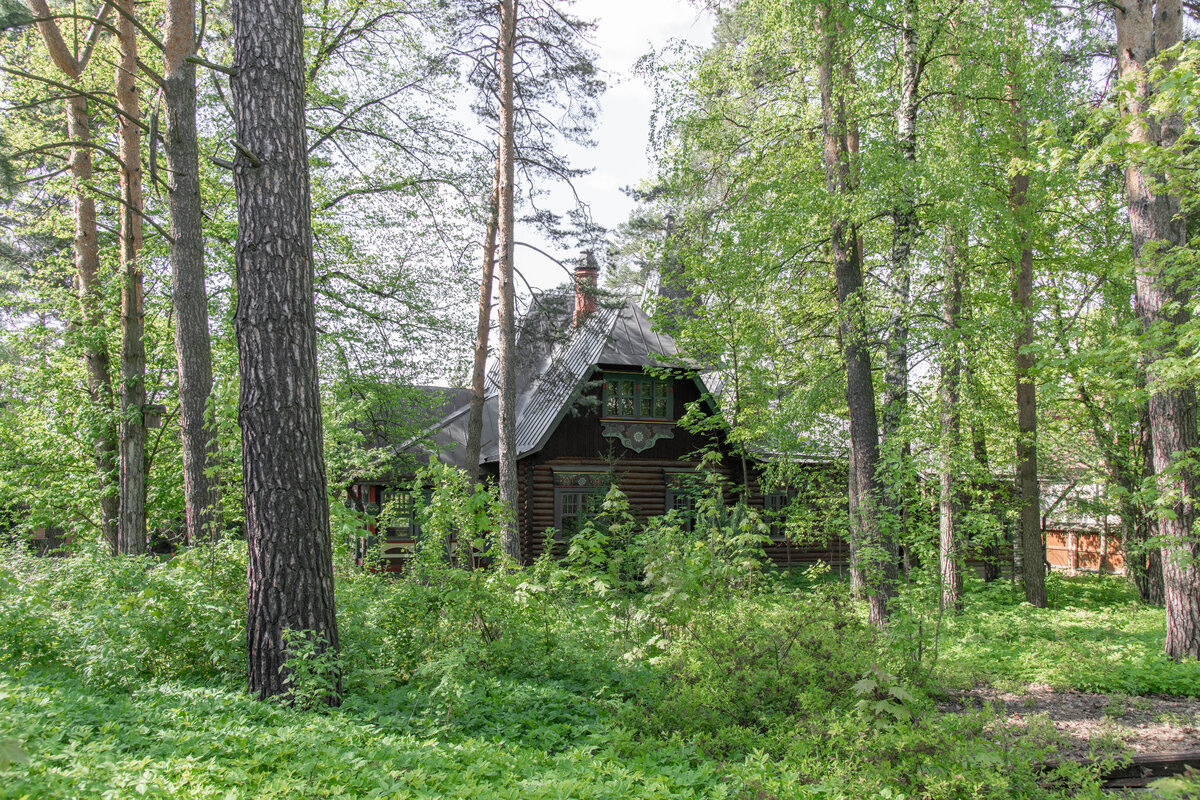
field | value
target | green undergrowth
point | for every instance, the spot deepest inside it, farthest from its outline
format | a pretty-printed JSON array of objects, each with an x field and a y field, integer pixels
[
  {"x": 1095, "y": 637},
  {"x": 680, "y": 667}
]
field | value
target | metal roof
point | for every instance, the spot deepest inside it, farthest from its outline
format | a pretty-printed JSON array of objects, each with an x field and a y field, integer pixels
[{"x": 553, "y": 361}]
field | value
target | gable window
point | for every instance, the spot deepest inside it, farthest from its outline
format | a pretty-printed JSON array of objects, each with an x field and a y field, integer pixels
[{"x": 635, "y": 396}]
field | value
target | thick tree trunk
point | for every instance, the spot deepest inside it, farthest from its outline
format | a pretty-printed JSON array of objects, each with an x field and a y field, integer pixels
[
  {"x": 1158, "y": 223},
  {"x": 283, "y": 464},
  {"x": 1029, "y": 510},
  {"x": 482, "y": 329},
  {"x": 507, "y": 412},
  {"x": 877, "y": 553},
  {"x": 131, "y": 523},
  {"x": 87, "y": 271},
  {"x": 949, "y": 504},
  {"x": 188, "y": 294}
]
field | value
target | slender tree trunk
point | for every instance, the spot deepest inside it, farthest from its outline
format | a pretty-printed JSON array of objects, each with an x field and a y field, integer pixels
[
  {"x": 87, "y": 269},
  {"x": 858, "y": 584},
  {"x": 482, "y": 329},
  {"x": 188, "y": 294},
  {"x": 1152, "y": 590},
  {"x": 507, "y": 411},
  {"x": 131, "y": 524},
  {"x": 91, "y": 310},
  {"x": 904, "y": 230},
  {"x": 877, "y": 554},
  {"x": 1029, "y": 513},
  {"x": 1158, "y": 223},
  {"x": 991, "y": 548},
  {"x": 949, "y": 504},
  {"x": 283, "y": 464}
]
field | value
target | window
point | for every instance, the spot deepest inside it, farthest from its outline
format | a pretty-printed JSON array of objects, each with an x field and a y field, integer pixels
[
  {"x": 775, "y": 505},
  {"x": 573, "y": 508},
  {"x": 634, "y": 396},
  {"x": 684, "y": 501}
]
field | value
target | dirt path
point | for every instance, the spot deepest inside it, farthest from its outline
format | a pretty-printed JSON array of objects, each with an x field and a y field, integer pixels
[{"x": 1083, "y": 724}]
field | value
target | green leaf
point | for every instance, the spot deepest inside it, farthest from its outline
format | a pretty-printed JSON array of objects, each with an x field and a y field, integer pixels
[{"x": 12, "y": 753}]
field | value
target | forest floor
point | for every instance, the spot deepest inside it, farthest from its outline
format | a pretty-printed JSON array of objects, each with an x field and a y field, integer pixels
[{"x": 1087, "y": 725}]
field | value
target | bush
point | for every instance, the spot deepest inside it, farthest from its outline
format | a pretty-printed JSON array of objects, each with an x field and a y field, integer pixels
[
  {"x": 753, "y": 662},
  {"x": 120, "y": 621}
]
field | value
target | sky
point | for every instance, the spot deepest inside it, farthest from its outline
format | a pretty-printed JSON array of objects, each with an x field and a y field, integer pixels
[{"x": 626, "y": 30}]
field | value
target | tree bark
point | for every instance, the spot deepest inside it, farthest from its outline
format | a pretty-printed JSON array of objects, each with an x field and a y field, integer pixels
[
  {"x": 1029, "y": 511},
  {"x": 1158, "y": 224},
  {"x": 283, "y": 466},
  {"x": 189, "y": 296},
  {"x": 877, "y": 553},
  {"x": 131, "y": 523},
  {"x": 482, "y": 330},
  {"x": 88, "y": 286},
  {"x": 904, "y": 229},
  {"x": 858, "y": 585},
  {"x": 949, "y": 504},
  {"x": 506, "y": 153}
]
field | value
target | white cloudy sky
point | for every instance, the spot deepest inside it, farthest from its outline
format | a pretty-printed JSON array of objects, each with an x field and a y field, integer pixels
[{"x": 626, "y": 30}]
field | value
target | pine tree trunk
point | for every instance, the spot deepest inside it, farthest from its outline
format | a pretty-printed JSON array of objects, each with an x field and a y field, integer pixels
[
  {"x": 283, "y": 463},
  {"x": 131, "y": 523},
  {"x": 91, "y": 311},
  {"x": 877, "y": 554},
  {"x": 948, "y": 496},
  {"x": 1159, "y": 226},
  {"x": 88, "y": 285},
  {"x": 507, "y": 411},
  {"x": 482, "y": 330},
  {"x": 1029, "y": 510},
  {"x": 189, "y": 298}
]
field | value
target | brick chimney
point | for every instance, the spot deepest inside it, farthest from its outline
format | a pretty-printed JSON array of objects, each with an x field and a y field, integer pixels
[{"x": 586, "y": 273}]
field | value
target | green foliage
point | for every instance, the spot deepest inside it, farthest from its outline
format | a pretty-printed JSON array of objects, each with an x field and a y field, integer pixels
[
  {"x": 121, "y": 622},
  {"x": 1186, "y": 787},
  {"x": 714, "y": 550},
  {"x": 311, "y": 671},
  {"x": 1097, "y": 639},
  {"x": 882, "y": 701},
  {"x": 519, "y": 683},
  {"x": 741, "y": 664},
  {"x": 606, "y": 548}
]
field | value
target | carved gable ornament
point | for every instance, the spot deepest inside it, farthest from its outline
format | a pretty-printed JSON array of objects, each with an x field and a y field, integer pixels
[{"x": 637, "y": 435}]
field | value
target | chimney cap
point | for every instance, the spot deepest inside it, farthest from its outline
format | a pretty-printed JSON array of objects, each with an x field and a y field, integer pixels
[{"x": 587, "y": 262}]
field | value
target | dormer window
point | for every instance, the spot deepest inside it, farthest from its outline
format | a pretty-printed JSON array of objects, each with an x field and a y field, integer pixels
[{"x": 637, "y": 396}]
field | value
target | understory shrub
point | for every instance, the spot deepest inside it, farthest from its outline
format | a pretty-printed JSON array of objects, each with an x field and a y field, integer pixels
[
  {"x": 119, "y": 621},
  {"x": 746, "y": 663}
]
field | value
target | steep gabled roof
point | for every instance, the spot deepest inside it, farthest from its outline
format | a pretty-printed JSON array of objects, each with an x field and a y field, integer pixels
[{"x": 553, "y": 362}]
